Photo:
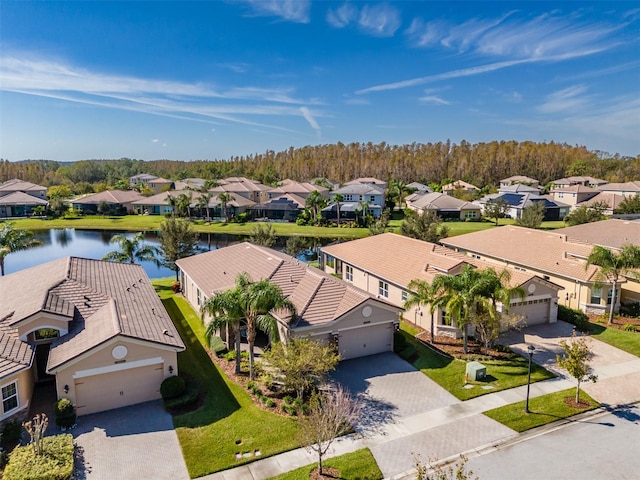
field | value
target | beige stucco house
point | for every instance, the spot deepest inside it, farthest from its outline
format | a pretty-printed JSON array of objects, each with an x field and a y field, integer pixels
[
  {"x": 328, "y": 309},
  {"x": 97, "y": 329},
  {"x": 384, "y": 265},
  {"x": 559, "y": 256}
]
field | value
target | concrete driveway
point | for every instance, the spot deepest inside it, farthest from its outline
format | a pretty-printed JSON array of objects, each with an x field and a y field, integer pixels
[
  {"x": 132, "y": 442},
  {"x": 618, "y": 371}
]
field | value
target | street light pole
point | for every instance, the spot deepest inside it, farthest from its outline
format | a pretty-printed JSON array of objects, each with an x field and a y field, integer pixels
[{"x": 530, "y": 348}]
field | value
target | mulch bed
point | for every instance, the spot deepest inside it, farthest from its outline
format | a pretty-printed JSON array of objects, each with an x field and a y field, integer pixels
[
  {"x": 327, "y": 473},
  {"x": 454, "y": 348},
  {"x": 618, "y": 322},
  {"x": 581, "y": 405}
]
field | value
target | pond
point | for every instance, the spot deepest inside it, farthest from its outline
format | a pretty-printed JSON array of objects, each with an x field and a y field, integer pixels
[{"x": 96, "y": 244}]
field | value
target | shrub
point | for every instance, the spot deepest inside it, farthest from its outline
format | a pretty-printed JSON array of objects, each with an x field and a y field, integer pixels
[
  {"x": 230, "y": 356},
  {"x": 172, "y": 387},
  {"x": 176, "y": 287},
  {"x": 575, "y": 317},
  {"x": 270, "y": 403},
  {"x": 630, "y": 309},
  {"x": 629, "y": 327},
  {"x": 217, "y": 345},
  {"x": 288, "y": 400},
  {"x": 188, "y": 398},
  {"x": 11, "y": 433},
  {"x": 290, "y": 409},
  {"x": 55, "y": 463},
  {"x": 399, "y": 342},
  {"x": 65, "y": 413}
]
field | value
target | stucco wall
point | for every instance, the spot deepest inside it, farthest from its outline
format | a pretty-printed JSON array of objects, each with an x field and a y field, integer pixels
[{"x": 25, "y": 391}]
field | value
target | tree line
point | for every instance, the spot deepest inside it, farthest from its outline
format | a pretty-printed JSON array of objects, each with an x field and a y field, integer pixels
[{"x": 481, "y": 164}]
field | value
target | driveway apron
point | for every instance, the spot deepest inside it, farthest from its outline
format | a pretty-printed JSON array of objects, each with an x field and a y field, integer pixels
[{"x": 136, "y": 442}]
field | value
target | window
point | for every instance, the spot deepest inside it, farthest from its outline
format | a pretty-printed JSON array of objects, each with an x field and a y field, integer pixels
[
  {"x": 596, "y": 295},
  {"x": 199, "y": 297},
  {"x": 610, "y": 295},
  {"x": 348, "y": 273},
  {"x": 372, "y": 198},
  {"x": 383, "y": 289},
  {"x": 404, "y": 295},
  {"x": 470, "y": 214},
  {"x": 9, "y": 397},
  {"x": 348, "y": 197},
  {"x": 46, "y": 333}
]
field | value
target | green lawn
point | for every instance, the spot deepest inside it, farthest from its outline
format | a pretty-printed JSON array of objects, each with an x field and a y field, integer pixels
[
  {"x": 449, "y": 373},
  {"x": 358, "y": 465},
  {"x": 627, "y": 341},
  {"x": 208, "y": 435},
  {"x": 544, "y": 409}
]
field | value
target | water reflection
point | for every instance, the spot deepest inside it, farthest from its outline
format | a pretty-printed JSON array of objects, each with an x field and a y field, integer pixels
[{"x": 96, "y": 244}]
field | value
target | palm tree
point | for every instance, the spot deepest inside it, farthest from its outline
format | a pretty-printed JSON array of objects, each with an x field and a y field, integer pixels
[
  {"x": 12, "y": 240},
  {"x": 613, "y": 266},
  {"x": 173, "y": 203},
  {"x": 315, "y": 202},
  {"x": 203, "y": 203},
  {"x": 363, "y": 207},
  {"x": 260, "y": 300},
  {"x": 462, "y": 295},
  {"x": 225, "y": 308},
  {"x": 184, "y": 204},
  {"x": 225, "y": 198},
  {"x": 422, "y": 293},
  {"x": 132, "y": 249},
  {"x": 398, "y": 190}
]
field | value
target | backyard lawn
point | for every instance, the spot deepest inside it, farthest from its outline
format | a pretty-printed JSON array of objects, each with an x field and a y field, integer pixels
[
  {"x": 358, "y": 465},
  {"x": 449, "y": 372},
  {"x": 544, "y": 409},
  {"x": 228, "y": 423}
]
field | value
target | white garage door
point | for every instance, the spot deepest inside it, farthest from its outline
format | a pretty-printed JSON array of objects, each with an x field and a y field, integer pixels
[
  {"x": 535, "y": 312},
  {"x": 118, "y": 389},
  {"x": 369, "y": 340}
]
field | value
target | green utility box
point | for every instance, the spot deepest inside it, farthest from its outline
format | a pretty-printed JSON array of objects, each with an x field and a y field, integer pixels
[{"x": 476, "y": 371}]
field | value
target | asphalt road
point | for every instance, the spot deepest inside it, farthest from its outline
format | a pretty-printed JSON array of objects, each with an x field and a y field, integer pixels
[{"x": 601, "y": 447}]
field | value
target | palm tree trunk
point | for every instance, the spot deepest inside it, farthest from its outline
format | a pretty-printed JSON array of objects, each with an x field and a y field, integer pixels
[
  {"x": 251, "y": 359},
  {"x": 464, "y": 339},
  {"x": 236, "y": 333},
  {"x": 613, "y": 301},
  {"x": 433, "y": 335}
]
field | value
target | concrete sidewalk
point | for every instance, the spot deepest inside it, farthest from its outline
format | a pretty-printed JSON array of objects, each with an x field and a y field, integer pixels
[{"x": 453, "y": 426}]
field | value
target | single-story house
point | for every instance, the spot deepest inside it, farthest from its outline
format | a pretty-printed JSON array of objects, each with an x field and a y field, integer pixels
[
  {"x": 517, "y": 202},
  {"x": 19, "y": 204},
  {"x": 445, "y": 206},
  {"x": 384, "y": 265},
  {"x": 97, "y": 329},
  {"x": 611, "y": 201},
  {"x": 118, "y": 201},
  {"x": 519, "y": 179},
  {"x": 300, "y": 189},
  {"x": 419, "y": 188},
  {"x": 286, "y": 207},
  {"x": 554, "y": 256},
  {"x": 459, "y": 186},
  {"x": 328, "y": 309}
]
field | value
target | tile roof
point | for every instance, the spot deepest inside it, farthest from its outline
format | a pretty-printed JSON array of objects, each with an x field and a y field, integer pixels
[
  {"x": 162, "y": 198},
  {"x": 418, "y": 260},
  {"x": 21, "y": 198},
  {"x": 579, "y": 180},
  {"x": 15, "y": 355},
  {"x": 318, "y": 297},
  {"x": 519, "y": 188},
  {"x": 360, "y": 189},
  {"x": 100, "y": 299},
  {"x": 537, "y": 249},
  {"x": 630, "y": 187},
  {"x": 17, "y": 185},
  {"x": 440, "y": 201},
  {"x": 297, "y": 187},
  {"x": 576, "y": 189},
  {"x": 519, "y": 178},
  {"x": 459, "y": 184},
  {"x": 110, "y": 196},
  {"x": 613, "y": 233},
  {"x": 367, "y": 180},
  {"x": 610, "y": 199}
]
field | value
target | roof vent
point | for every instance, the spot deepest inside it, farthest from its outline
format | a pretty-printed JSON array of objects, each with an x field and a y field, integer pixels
[{"x": 166, "y": 332}]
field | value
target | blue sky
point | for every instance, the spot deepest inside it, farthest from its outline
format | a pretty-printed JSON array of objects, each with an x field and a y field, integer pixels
[{"x": 210, "y": 80}]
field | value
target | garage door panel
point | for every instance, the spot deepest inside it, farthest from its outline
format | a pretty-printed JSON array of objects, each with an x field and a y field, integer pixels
[
  {"x": 535, "y": 312},
  {"x": 370, "y": 340},
  {"x": 118, "y": 389}
]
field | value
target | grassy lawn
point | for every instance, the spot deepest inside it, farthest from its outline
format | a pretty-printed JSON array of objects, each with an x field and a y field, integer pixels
[
  {"x": 627, "y": 341},
  {"x": 449, "y": 373},
  {"x": 544, "y": 409},
  {"x": 358, "y": 465},
  {"x": 209, "y": 434}
]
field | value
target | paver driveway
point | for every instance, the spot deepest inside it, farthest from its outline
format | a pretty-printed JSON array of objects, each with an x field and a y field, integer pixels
[
  {"x": 136, "y": 442},
  {"x": 401, "y": 407}
]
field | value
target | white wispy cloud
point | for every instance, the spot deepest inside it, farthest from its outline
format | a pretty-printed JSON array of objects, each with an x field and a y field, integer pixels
[
  {"x": 569, "y": 98},
  {"x": 308, "y": 116},
  {"x": 468, "y": 72},
  {"x": 23, "y": 73},
  {"x": 433, "y": 100},
  {"x": 379, "y": 19},
  {"x": 509, "y": 39},
  {"x": 290, "y": 10},
  {"x": 155, "y": 140}
]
